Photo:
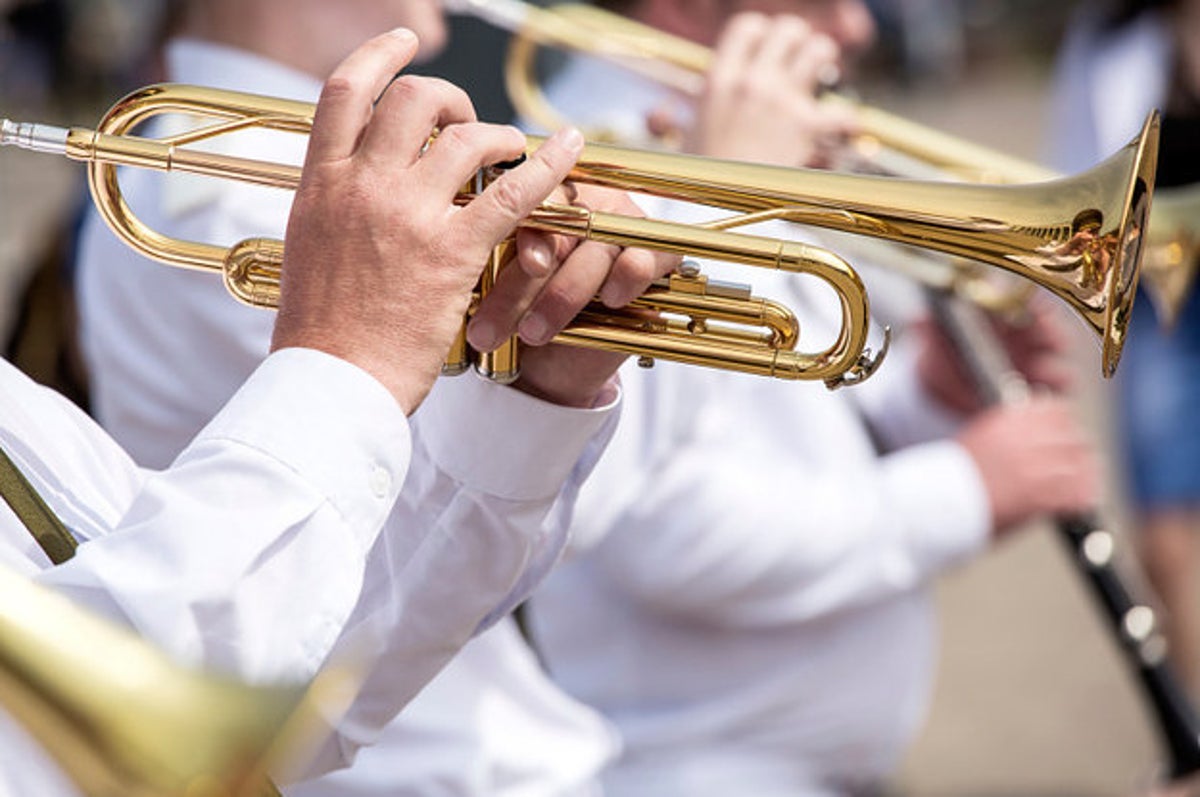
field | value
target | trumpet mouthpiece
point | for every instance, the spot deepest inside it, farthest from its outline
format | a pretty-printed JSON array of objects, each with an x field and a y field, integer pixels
[{"x": 39, "y": 138}]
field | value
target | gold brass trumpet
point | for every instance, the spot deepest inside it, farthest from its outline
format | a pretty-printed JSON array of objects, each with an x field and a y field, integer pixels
[
  {"x": 1079, "y": 237},
  {"x": 123, "y": 721},
  {"x": 886, "y": 144},
  {"x": 698, "y": 322}
]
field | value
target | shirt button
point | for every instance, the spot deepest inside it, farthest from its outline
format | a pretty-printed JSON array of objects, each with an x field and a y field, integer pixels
[{"x": 380, "y": 481}]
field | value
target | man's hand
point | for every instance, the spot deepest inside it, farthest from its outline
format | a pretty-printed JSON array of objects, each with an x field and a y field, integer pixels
[
  {"x": 379, "y": 264},
  {"x": 1035, "y": 345},
  {"x": 760, "y": 98},
  {"x": 550, "y": 282},
  {"x": 1034, "y": 461}
]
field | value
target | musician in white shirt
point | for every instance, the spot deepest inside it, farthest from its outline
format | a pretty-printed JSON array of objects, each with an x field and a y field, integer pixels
[
  {"x": 160, "y": 369},
  {"x": 749, "y": 603},
  {"x": 281, "y": 537}
]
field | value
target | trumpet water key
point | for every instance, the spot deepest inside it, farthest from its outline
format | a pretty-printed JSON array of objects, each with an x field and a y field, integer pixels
[{"x": 1080, "y": 237}]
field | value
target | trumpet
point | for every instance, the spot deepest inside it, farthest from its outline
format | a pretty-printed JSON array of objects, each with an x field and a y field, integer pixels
[
  {"x": 885, "y": 144},
  {"x": 1080, "y": 237},
  {"x": 123, "y": 721}
]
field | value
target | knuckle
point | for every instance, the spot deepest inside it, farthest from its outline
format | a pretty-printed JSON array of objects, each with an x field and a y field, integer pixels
[
  {"x": 455, "y": 137},
  {"x": 551, "y": 164},
  {"x": 336, "y": 88},
  {"x": 448, "y": 91},
  {"x": 409, "y": 88},
  {"x": 509, "y": 196},
  {"x": 511, "y": 138},
  {"x": 638, "y": 266},
  {"x": 790, "y": 30},
  {"x": 751, "y": 22}
]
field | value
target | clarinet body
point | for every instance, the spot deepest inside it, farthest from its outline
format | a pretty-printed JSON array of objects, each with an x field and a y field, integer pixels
[{"x": 1091, "y": 548}]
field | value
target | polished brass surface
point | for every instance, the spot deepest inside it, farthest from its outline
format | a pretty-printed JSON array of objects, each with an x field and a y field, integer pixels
[
  {"x": 710, "y": 335},
  {"x": 251, "y": 268},
  {"x": 121, "y": 719},
  {"x": 1080, "y": 237},
  {"x": 1172, "y": 250},
  {"x": 886, "y": 144}
]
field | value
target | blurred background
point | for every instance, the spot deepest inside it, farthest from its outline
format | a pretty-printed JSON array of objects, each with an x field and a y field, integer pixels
[{"x": 1032, "y": 697}]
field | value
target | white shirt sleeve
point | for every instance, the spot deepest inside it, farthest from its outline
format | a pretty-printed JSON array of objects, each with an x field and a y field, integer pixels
[
  {"x": 746, "y": 528},
  {"x": 258, "y": 551},
  {"x": 496, "y": 509},
  {"x": 287, "y": 486}
]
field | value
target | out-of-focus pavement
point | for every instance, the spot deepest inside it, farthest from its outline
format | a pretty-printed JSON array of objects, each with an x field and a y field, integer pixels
[{"x": 1032, "y": 696}]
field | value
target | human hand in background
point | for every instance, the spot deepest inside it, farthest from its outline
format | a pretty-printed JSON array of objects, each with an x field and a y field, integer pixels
[
  {"x": 1036, "y": 345},
  {"x": 1034, "y": 459},
  {"x": 760, "y": 100}
]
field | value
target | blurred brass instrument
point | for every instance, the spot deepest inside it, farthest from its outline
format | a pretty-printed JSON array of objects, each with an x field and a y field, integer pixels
[
  {"x": 1079, "y": 237},
  {"x": 121, "y": 719},
  {"x": 1172, "y": 257},
  {"x": 887, "y": 143}
]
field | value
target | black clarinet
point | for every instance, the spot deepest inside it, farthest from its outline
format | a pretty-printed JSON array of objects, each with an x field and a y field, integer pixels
[{"x": 1089, "y": 545}]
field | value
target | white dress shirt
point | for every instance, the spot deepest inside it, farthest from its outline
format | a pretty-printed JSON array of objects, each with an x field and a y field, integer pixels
[
  {"x": 165, "y": 347},
  {"x": 748, "y": 603},
  {"x": 192, "y": 556},
  {"x": 259, "y": 551}
]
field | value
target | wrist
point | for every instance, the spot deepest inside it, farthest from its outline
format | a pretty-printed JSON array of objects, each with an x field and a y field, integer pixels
[
  {"x": 569, "y": 376},
  {"x": 577, "y": 396}
]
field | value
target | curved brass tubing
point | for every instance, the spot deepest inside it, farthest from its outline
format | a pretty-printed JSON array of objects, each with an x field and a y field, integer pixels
[{"x": 1080, "y": 237}]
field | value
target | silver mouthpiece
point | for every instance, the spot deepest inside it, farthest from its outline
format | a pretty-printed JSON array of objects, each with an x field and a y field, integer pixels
[{"x": 39, "y": 138}]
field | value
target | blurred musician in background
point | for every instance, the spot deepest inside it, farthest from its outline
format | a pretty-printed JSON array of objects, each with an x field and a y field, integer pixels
[
  {"x": 313, "y": 518},
  {"x": 749, "y": 600},
  {"x": 1121, "y": 59}
]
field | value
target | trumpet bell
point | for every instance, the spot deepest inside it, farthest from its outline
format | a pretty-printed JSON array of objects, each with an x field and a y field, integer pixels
[{"x": 1080, "y": 237}]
